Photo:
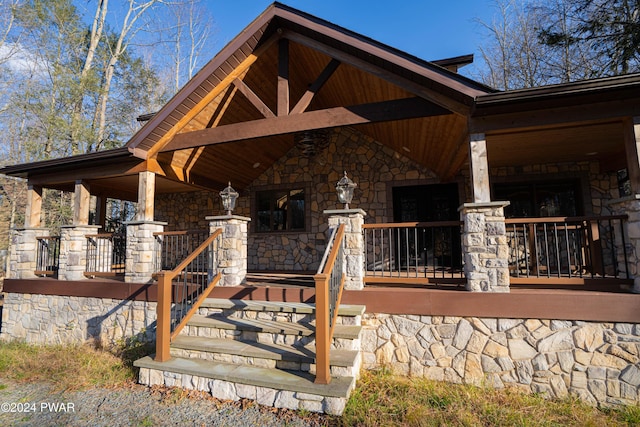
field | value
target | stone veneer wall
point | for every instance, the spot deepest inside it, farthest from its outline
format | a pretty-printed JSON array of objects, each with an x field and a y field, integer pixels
[
  {"x": 370, "y": 164},
  {"x": 52, "y": 319},
  {"x": 597, "y": 362}
]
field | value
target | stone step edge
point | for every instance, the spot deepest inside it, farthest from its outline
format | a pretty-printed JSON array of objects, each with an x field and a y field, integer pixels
[
  {"x": 277, "y": 379},
  {"x": 270, "y": 326},
  {"x": 338, "y": 357},
  {"x": 346, "y": 310}
]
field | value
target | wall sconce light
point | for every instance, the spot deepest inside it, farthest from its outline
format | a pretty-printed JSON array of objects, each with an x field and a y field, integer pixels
[
  {"x": 229, "y": 197},
  {"x": 345, "y": 188}
]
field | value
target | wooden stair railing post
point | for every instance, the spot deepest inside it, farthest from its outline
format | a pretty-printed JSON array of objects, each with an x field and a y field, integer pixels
[
  {"x": 163, "y": 322},
  {"x": 323, "y": 374}
]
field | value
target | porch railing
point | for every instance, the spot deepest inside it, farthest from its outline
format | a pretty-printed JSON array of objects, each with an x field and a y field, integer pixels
[
  {"x": 48, "y": 256},
  {"x": 569, "y": 248},
  {"x": 329, "y": 285},
  {"x": 106, "y": 253},
  {"x": 413, "y": 252},
  {"x": 182, "y": 290},
  {"x": 172, "y": 247}
]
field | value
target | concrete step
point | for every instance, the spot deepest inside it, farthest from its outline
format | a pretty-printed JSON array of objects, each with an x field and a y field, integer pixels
[
  {"x": 219, "y": 321},
  {"x": 270, "y": 387},
  {"x": 346, "y": 310},
  {"x": 342, "y": 362}
]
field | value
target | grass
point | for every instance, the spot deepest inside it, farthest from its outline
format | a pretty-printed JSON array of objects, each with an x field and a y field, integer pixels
[
  {"x": 381, "y": 399},
  {"x": 68, "y": 367}
]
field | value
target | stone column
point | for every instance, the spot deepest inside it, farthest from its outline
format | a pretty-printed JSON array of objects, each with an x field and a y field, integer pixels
[
  {"x": 140, "y": 261},
  {"x": 23, "y": 252},
  {"x": 485, "y": 247},
  {"x": 73, "y": 251},
  {"x": 629, "y": 206},
  {"x": 353, "y": 244},
  {"x": 232, "y": 255}
]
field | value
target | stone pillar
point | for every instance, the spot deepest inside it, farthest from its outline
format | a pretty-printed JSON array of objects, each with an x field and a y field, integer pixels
[
  {"x": 232, "y": 255},
  {"x": 353, "y": 244},
  {"x": 23, "y": 252},
  {"x": 140, "y": 256},
  {"x": 485, "y": 247},
  {"x": 629, "y": 206},
  {"x": 73, "y": 251}
]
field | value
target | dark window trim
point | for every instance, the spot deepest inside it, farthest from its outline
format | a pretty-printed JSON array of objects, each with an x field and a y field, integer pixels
[{"x": 281, "y": 187}]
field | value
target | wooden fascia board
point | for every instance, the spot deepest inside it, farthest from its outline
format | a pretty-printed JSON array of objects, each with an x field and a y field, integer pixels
[
  {"x": 529, "y": 119},
  {"x": 340, "y": 116},
  {"x": 95, "y": 172},
  {"x": 406, "y": 84}
]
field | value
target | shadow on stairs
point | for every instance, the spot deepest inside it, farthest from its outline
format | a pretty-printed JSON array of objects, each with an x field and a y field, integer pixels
[{"x": 264, "y": 351}]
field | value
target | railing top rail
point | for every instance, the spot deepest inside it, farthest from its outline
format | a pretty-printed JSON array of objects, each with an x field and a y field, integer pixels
[
  {"x": 104, "y": 235},
  {"x": 179, "y": 233},
  {"x": 429, "y": 224},
  {"x": 334, "y": 250},
  {"x": 173, "y": 273},
  {"x": 47, "y": 237},
  {"x": 568, "y": 219}
]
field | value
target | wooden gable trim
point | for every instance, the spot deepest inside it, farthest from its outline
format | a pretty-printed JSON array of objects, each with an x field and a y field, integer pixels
[{"x": 400, "y": 109}]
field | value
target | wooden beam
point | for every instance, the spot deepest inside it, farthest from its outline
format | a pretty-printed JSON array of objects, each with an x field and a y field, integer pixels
[
  {"x": 253, "y": 98},
  {"x": 283, "y": 77},
  {"x": 479, "y": 167},
  {"x": 398, "y": 109},
  {"x": 81, "y": 199},
  {"x": 222, "y": 107},
  {"x": 32, "y": 218},
  {"x": 146, "y": 194},
  {"x": 632, "y": 148},
  {"x": 456, "y": 160},
  {"x": 101, "y": 210},
  {"x": 565, "y": 116},
  {"x": 405, "y": 83},
  {"x": 315, "y": 87},
  {"x": 224, "y": 84}
]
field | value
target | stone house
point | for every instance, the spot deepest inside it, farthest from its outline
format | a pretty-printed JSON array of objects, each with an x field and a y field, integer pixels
[{"x": 492, "y": 238}]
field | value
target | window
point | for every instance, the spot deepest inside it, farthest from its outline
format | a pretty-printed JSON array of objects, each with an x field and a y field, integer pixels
[
  {"x": 280, "y": 210},
  {"x": 540, "y": 199}
]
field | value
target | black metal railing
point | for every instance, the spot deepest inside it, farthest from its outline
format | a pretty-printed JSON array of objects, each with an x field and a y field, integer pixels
[
  {"x": 421, "y": 250},
  {"x": 48, "y": 255},
  {"x": 172, "y": 247},
  {"x": 106, "y": 254},
  {"x": 572, "y": 247}
]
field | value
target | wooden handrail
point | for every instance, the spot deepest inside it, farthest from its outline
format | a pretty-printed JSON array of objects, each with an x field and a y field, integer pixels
[
  {"x": 563, "y": 219},
  {"x": 164, "y": 336},
  {"x": 324, "y": 324}
]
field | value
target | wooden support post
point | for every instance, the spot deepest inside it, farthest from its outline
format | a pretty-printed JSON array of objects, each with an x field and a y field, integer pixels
[
  {"x": 146, "y": 193},
  {"x": 632, "y": 148},
  {"x": 81, "y": 199},
  {"x": 479, "y": 166},
  {"x": 323, "y": 372},
  {"x": 101, "y": 210},
  {"x": 163, "y": 322},
  {"x": 34, "y": 207},
  {"x": 283, "y": 77}
]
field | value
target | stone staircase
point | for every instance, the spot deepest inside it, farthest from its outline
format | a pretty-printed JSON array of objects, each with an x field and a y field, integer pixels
[{"x": 264, "y": 351}]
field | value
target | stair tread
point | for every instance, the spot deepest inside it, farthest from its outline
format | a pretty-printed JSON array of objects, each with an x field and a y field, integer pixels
[
  {"x": 269, "y": 326},
  {"x": 343, "y": 358},
  {"x": 349, "y": 310},
  {"x": 251, "y": 375}
]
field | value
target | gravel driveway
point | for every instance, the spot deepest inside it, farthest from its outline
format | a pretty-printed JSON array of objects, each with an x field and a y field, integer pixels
[{"x": 29, "y": 404}]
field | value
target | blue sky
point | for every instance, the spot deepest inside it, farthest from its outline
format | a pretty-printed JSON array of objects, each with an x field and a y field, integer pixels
[{"x": 425, "y": 28}]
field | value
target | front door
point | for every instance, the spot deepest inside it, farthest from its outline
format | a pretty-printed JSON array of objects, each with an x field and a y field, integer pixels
[{"x": 433, "y": 245}]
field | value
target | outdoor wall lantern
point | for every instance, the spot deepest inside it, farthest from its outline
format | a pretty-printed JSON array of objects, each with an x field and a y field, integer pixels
[
  {"x": 229, "y": 197},
  {"x": 344, "y": 188}
]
